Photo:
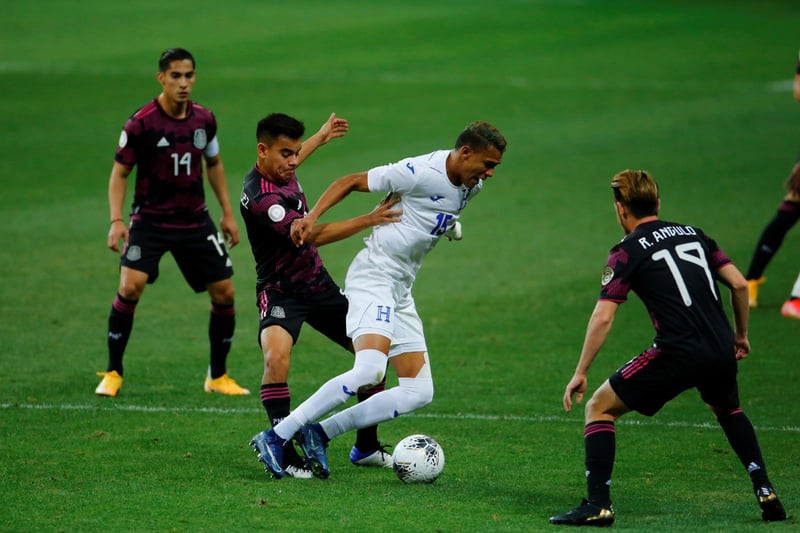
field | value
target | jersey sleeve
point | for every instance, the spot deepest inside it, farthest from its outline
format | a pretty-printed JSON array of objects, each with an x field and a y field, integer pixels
[
  {"x": 212, "y": 148},
  {"x": 272, "y": 214},
  {"x": 397, "y": 177},
  {"x": 717, "y": 257},
  {"x": 615, "y": 281},
  {"x": 126, "y": 147}
]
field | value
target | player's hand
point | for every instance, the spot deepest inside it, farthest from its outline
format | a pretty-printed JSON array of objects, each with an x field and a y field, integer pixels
[
  {"x": 230, "y": 230},
  {"x": 332, "y": 128},
  {"x": 118, "y": 230},
  {"x": 300, "y": 230},
  {"x": 742, "y": 348},
  {"x": 576, "y": 387},
  {"x": 383, "y": 212}
]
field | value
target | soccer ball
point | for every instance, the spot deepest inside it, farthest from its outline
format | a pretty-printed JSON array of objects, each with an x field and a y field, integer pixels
[{"x": 418, "y": 459}]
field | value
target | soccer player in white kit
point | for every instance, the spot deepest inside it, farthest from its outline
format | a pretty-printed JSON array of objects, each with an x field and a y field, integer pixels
[{"x": 382, "y": 318}]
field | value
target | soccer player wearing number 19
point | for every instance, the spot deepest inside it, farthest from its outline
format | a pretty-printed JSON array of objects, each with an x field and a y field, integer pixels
[{"x": 673, "y": 268}]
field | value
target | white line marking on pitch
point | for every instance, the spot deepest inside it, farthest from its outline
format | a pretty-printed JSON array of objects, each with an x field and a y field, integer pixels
[{"x": 442, "y": 416}]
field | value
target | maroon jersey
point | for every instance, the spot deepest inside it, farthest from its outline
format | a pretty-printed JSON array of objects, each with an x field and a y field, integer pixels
[
  {"x": 168, "y": 154},
  {"x": 268, "y": 210},
  {"x": 672, "y": 267}
]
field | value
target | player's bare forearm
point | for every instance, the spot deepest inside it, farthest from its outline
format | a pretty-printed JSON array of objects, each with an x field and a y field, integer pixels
[
  {"x": 336, "y": 192},
  {"x": 322, "y": 234},
  {"x": 117, "y": 184},
  {"x": 219, "y": 184}
]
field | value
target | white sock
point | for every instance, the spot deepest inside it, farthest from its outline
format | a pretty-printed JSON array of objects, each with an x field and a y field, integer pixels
[
  {"x": 410, "y": 394},
  {"x": 368, "y": 369}
]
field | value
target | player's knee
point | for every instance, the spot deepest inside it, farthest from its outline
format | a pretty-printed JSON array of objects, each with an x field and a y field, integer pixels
[
  {"x": 276, "y": 365},
  {"x": 369, "y": 368},
  {"x": 222, "y": 292},
  {"x": 418, "y": 393}
]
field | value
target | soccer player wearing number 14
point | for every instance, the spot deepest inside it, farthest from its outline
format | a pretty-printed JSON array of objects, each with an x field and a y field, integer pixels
[
  {"x": 382, "y": 319},
  {"x": 673, "y": 269},
  {"x": 169, "y": 140}
]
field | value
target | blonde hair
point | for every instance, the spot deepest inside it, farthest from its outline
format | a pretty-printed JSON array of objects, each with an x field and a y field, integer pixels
[{"x": 637, "y": 191}]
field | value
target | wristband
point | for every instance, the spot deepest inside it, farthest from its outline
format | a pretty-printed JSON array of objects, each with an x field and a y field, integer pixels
[{"x": 116, "y": 220}]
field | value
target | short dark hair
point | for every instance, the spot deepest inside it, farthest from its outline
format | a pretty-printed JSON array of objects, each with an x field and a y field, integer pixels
[
  {"x": 276, "y": 124},
  {"x": 480, "y": 135},
  {"x": 174, "y": 54}
]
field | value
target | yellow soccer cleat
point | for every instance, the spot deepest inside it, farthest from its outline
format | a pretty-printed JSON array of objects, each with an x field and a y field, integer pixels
[
  {"x": 224, "y": 385},
  {"x": 110, "y": 384},
  {"x": 752, "y": 290}
]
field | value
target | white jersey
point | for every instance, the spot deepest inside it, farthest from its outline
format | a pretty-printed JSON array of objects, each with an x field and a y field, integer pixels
[{"x": 431, "y": 206}]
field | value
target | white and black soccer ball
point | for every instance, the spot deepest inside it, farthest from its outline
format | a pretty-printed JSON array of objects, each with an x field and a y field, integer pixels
[{"x": 418, "y": 459}]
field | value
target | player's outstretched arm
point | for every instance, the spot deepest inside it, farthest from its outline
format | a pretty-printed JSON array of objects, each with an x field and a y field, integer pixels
[
  {"x": 334, "y": 194},
  {"x": 327, "y": 233},
  {"x": 332, "y": 128}
]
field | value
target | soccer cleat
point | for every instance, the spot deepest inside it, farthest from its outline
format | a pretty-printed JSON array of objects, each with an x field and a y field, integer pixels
[
  {"x": 110, "y": 384},
  {"x": 771, "y": 508},
  {"x": 586, "y": 514},
  {"x": 299, "y": 470},
  {"x": 313, "y": 441},
  {"x": 269, "y": 447},
  {"x": 752, "y": 290},
  {"x": 377, "y": 457},
  {"x": 791, "y": 308},
  {"x": 294, "y": 465},
  {"x": 224, "y": 385}
]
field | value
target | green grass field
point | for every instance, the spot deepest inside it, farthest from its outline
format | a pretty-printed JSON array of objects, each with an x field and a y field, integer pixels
[{"x": 696, "y": 92}]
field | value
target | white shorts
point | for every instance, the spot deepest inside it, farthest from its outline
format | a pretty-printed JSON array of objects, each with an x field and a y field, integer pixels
[{"x": 380, "y": 305}]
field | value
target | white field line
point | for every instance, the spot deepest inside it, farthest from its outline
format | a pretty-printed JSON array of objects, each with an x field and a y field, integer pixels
[{"x": 440, "y": 416}]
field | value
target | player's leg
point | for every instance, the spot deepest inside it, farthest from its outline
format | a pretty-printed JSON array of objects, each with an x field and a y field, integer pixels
[
  {"x": 138, "y": 267},
  {"x": 328, "y": 317},
  {"x": 368, "y": 369},
  {"x": 721, "y": 393},
  {"x": 414, "y": 391},
  {"x": 770, "y": 241},
  {"x": 601, "y": 412},
  {"x": 407, "y": 354},
  {"x": 120, "y": 325},
  {"x": 277, "y": 343},
  {"x": 203, "y": 260}
]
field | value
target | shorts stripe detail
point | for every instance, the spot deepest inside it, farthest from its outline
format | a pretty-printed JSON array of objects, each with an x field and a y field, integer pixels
[{"x": 639, "y": 362}]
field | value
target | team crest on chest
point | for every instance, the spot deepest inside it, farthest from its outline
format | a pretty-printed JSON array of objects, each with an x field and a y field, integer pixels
[{"x": 200, "y": 139}]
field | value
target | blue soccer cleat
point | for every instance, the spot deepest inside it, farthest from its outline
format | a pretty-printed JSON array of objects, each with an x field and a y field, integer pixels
[
  {"x": 270, "y": 452},
  {"x": 313, "y": 441}
]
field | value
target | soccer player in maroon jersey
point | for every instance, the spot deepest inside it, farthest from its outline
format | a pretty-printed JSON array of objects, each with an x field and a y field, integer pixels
[
  {"x": 168, "y": 140},
  {"x": 775, "y": 231},
  {"x": 673, "y": 269},
  {"x": 292, "y": 284}
]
